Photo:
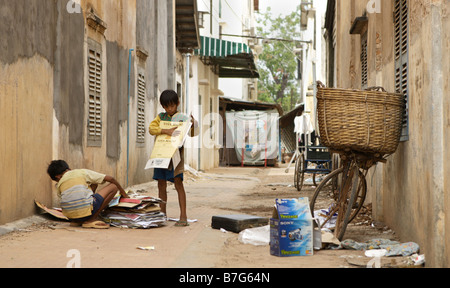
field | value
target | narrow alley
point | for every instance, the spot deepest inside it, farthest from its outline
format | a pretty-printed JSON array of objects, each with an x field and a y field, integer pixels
[
  {"x": 354, "y": 91},
  {"x": 221, "y": 191}
]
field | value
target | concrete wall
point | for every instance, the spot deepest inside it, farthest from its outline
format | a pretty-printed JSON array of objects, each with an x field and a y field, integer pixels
[
  {"x": 421, "y": 161},
  {"x": 74, "y": 36},
  {"x": 44, "y": 91},
  {"x": 26, "y": 100},
  {"x": 410, "y": 191}
]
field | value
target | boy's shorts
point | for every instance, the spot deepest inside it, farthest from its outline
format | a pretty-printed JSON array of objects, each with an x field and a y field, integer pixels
[
  {"x": 165, "y": 174},
  {"x": 96, "y": 203}
]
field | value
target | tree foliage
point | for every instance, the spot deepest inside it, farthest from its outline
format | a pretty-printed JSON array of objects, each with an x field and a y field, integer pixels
[{"x": 277, "y": 63}]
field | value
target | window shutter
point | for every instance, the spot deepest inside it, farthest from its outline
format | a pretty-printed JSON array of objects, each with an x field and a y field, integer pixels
[
  {"x": 401, "y": 57},
  {"x": 141, "y": 109},
  {"x": 95, "y": 101},
  {"x": 364, "y": 67}
]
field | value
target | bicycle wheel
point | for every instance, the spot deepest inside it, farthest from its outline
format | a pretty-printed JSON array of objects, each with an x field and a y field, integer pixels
[
  {"x": 328, "y": 194},
  {"x": 323, "y": 198},
  {"x": 299, "y": 172}
]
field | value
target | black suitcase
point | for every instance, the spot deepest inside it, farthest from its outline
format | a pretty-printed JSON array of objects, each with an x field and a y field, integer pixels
[{"x": 237, "y": 223}]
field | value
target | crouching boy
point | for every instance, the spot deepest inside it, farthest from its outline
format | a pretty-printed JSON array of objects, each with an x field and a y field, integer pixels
[{"x": 77, "y": 189}]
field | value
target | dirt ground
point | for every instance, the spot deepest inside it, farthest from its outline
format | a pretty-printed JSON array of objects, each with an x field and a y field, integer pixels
[{"x": 222, "y": 191}]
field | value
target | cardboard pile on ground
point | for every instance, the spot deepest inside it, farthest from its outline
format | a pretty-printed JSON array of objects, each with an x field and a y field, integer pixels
[{"x": 140, "y": 212}]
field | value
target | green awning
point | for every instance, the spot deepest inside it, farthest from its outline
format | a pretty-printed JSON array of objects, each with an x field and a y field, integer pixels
[{"x": 229, "y": 59}]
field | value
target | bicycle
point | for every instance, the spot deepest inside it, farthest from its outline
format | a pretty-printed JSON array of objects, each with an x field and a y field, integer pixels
[
  {"x": 353, "y": 120},
  {"x": 348, "y": 192}
]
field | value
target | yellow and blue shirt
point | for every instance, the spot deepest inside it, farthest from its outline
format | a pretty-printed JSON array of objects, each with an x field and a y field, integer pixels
[{"x": 75, "y": 194}]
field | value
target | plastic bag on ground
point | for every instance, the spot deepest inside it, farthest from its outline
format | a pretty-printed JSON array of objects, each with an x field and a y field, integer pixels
[{"x": 255, "y": 236}]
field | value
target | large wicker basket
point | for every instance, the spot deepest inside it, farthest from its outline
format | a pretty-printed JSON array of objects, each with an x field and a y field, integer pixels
[{"x": 367, "y": 121}]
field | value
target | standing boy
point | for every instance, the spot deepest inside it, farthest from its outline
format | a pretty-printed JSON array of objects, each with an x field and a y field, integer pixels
[
  {"x": 169, "y": 101},
  {"x": 79, "y": 202}
]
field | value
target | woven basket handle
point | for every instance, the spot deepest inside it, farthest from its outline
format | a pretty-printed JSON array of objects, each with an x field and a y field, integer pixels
[
  {"x": 320, "y": 84},
  {"x": 376, "y": 88}
]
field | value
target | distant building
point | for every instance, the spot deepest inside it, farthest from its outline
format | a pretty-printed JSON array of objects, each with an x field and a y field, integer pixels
[{"x": 216, "y": 59}]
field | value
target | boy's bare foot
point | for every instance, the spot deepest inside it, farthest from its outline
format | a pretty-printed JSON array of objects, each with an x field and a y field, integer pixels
[{"x": 182, "y": 224}]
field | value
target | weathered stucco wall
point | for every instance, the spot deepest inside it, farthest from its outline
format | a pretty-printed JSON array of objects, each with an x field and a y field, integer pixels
[
  {"x": 44, "y": 91},
  {"x": 146, "y": 31},
  {"x": 446, "y": 111},
  {"x": 410, "y": 191},
  {"x": 415, "y": 194},
  {"x": 24, "y": 32},
  {"x": 69, "y": 93},
  {"x": 121, "y": 19},
  {"x": 26, "y": 94},
  {"x": 25, "y": 145}
]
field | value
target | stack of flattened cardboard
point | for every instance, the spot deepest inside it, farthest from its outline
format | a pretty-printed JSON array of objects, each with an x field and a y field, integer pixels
[{"x": 141, "y": 212}]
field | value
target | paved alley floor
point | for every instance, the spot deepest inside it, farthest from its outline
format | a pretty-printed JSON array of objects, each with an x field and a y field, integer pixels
[{"x": 222, "y": 191}]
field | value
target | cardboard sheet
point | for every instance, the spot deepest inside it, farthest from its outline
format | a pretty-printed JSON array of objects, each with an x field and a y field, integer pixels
[
  {"x": 166, "y": 147},
  {"x": 54, "y": 212}
]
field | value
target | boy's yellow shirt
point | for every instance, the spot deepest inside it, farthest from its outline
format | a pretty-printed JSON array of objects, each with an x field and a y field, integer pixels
[
  {"x": 155, "y": 128},
  {"x": 76, "y": 196}
]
